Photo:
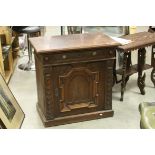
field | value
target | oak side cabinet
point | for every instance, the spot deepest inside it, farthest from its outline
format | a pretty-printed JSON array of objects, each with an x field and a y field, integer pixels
[{"x": 74, "y": 75}]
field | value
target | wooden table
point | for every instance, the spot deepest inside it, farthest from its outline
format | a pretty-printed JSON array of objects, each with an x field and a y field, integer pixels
[
  {"x": 139, "y": 41},
  {"x": 74, "y": 77}
]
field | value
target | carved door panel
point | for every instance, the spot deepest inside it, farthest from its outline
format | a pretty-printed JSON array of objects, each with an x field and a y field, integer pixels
[{"x": 77, "y": 87}]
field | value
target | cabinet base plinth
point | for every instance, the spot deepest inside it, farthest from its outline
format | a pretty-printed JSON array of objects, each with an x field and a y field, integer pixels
[{"x": 75, "y": 118}]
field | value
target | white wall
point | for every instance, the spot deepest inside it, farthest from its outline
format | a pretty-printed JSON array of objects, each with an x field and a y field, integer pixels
[{"x": 53, "y": 30}]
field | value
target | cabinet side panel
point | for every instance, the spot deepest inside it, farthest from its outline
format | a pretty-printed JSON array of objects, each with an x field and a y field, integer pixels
[{"x": 40, "y": 83}]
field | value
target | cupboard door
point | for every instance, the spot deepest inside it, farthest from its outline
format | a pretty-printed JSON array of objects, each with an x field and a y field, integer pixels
[{"x": 79, "y": 88}]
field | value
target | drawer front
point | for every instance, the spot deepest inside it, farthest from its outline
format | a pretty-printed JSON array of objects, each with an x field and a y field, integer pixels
[{"x": 77, "y": 56}]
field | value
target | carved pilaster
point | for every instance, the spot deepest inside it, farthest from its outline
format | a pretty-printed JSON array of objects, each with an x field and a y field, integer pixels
[
  {"x": 108, "y": 103},
  {"x": 48, "y": 96}
]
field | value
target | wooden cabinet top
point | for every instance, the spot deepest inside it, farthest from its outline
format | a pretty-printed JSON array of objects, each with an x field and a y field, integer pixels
[
  {"x": 71, "y": 42},
  {"x": 139, "y": 40}
]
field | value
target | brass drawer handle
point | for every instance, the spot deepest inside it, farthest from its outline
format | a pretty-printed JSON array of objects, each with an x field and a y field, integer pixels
[
  {"x": 94, "y": 53},
  {"x": 64, "y": 56}
]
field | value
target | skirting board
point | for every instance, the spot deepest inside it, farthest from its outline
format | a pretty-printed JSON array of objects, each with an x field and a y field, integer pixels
[{"x": 74, "y": 118}]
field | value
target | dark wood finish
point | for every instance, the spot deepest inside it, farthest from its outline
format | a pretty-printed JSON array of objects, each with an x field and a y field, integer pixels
[
  {"x": 72, "y": 42},
  {"x": 152, "y": 30},
  {"x": 153, "y": 65},
  {"x": 74, "y": 118},
  {"x": 133, "y": 69},
  {"x": 141, "y": 63},
  {"x": 139, "y": 41},
  {"x": 74, "y": 77},
  {"x": 123, "y": 76}
]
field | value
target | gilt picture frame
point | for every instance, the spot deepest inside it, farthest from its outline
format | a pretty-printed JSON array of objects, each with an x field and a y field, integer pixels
[{"x": 11, "y": 114}]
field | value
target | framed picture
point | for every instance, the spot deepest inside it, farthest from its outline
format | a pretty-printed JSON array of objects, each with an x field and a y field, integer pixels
[{"x": 11, "y": 114}]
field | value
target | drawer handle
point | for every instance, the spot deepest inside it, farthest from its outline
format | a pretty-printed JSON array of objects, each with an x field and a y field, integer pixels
[
  {"x": 94, "y": 53},
  {"x": 64, "y": 56},
  {"x": 111, "y": 52},
  {"x": 46, "y": 58},
  {"x": 47, "y": 75}
]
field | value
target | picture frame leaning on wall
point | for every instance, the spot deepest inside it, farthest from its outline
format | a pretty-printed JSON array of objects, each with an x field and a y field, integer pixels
[{"x": 11, "y": 114}]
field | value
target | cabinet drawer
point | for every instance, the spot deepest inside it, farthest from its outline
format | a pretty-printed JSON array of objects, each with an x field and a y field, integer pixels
[{"x": 77, "y": 56}]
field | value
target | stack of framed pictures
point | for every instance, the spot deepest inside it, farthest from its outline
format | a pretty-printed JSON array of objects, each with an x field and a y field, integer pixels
[{"x": 11, "y": 114}]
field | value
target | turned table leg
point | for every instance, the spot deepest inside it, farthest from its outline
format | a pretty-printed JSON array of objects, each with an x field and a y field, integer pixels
[
  {"x": 126, "y": 79},
  {"x": 128, "y": 65},
  {"x": 123, "y": 84},
  {"x": 153, "y": 65},
  {"x": 114, "y": 71},
  {"x": 141, "y": 63}
]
